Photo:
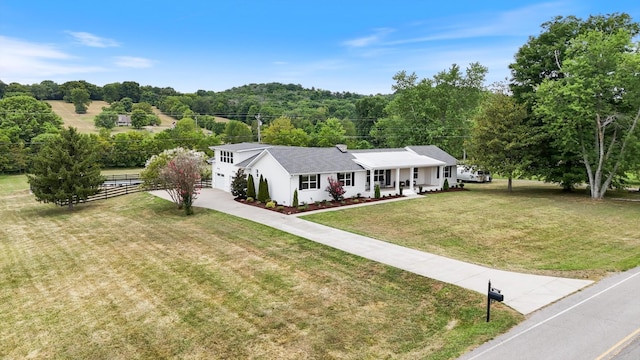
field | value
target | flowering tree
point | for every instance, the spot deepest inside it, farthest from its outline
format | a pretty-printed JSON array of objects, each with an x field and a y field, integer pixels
[
  {"x": 335, "y": 189},
  {"x": 178, "y": 172}
]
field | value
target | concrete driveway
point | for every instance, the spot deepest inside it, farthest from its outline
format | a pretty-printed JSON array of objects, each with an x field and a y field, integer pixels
[{"x": 523, "y": 292}]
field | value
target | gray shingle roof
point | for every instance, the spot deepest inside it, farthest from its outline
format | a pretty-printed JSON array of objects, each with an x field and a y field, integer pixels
[
  {"x": 434, "y": 152},
  {"x": 301, "y": 160},
  {"x": 241, "y": 146}
]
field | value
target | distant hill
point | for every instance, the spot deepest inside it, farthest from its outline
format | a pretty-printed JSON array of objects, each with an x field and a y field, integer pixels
[{"x": 84, "y": 122}]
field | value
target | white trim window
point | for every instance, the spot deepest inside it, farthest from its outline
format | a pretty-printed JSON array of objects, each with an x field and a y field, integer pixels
[
  {"x": 226, "y": 157},
  {"x": 346, "y": 179},
  {"x": 415, "y": 173},
  {"x": 309, "y": 182},
  {"x": 447, "y": 171},
  {"x": 378, "y": 176}
]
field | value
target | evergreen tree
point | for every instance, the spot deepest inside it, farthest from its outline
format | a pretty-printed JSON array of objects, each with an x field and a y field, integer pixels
[
  {"x": 267, "y": 196},
  {"x": 66, "y": 169},
  {"x": 239, "y": 185},
  {"x": 262, "y": 192},
  {"x": 251, "y": 187},
  {"x": 295, "y": 198}
]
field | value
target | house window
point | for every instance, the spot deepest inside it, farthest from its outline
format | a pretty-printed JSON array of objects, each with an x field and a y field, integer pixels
[
  {"x": 378, "y": 176},
  {"x": 226, "y": 157},
  {"x": 415, "y": 173},
  {"x": 346, "y": 179},
  {"x": 447, "y": 171},
  {"x": 309, "y": 182}
]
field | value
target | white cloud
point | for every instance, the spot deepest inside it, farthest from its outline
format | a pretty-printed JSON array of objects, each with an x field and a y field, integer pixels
[
  {"x": 88, "y": 39},
  {"x": 15, "y": 47},
  {"x": 522, "y": 21},
  {"x": 133, "y": 62},
  {"x": 372, "y": 39},
  {"x": 21, "y": 59}
]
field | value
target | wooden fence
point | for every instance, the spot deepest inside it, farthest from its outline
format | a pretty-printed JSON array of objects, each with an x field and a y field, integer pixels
[{"x": 118, "y": 185}]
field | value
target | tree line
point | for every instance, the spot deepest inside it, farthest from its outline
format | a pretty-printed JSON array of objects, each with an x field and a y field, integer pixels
[{"x": 568, "y": 115}]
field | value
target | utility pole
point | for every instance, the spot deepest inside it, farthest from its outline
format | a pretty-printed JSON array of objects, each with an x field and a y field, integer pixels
[{"x": 259, "y": 125}]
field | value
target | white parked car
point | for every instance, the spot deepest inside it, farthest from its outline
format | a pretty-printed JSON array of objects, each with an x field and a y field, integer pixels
[{"x": 468, "y": 173}]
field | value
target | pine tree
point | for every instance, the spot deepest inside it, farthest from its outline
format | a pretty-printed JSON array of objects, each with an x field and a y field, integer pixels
[
  {"x": 251, "y": 187},
  {"x": 66, "y": 169}
]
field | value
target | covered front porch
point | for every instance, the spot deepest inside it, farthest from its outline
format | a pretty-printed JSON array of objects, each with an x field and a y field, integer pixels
[{"x": 394, "y": 170}]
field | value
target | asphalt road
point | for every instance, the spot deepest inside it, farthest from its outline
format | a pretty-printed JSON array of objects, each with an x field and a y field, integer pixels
[{"x": 599, "y": 322}]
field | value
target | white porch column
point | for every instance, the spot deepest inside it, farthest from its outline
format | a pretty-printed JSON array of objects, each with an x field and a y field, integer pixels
[
  {"x": 411, "y": 179},
  {"x": 398, "y": 181},
  {"x": 372, "y": 185}
]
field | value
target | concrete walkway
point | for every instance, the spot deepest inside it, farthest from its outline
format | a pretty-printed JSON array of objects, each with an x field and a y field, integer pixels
[{"x": 523, "y": 292}]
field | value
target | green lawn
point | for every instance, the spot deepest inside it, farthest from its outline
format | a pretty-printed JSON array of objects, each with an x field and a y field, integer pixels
[
  {"x": 537, "y": 228},
  {"x": 133, "y": 278}
]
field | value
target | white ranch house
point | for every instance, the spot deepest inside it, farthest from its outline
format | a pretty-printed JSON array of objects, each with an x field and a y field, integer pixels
[{"x": 288, "y": 168}]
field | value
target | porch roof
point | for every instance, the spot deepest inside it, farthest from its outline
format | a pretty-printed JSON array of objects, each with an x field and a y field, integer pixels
[{"x": 394, "y": 160}]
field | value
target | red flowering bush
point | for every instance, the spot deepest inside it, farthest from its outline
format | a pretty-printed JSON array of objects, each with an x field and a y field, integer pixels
[{"x": 335, "y": 189}]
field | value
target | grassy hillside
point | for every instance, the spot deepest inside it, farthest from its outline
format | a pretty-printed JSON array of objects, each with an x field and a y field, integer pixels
[
  {"x": 84, "y": 122},
  {"x": 132, "y": 277}
]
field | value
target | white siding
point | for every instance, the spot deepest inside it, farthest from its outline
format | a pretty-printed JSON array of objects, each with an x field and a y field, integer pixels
[
  {"x": 223, "y": 172},
  {"x": 276, "y": 176}
]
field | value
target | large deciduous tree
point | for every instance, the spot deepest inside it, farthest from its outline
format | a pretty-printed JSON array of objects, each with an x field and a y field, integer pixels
[
  {"x": 329, "y": 133},
  {"x": 80, "y": 99},
  {"x": 282, "y": 132},
  {"x": 541, "y": 59},
  {"x": 594, "y": 109},
  {"x": 66, "y": 169},
  {"x": 436, "y": 111},
  {"x": 237, "y": 132},
  {"x": 23, "y": 118},
  {"x": 499, "y": 139}
]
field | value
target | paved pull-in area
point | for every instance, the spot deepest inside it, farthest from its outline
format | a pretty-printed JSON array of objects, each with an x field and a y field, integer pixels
[{"x": 524, "y": 293}]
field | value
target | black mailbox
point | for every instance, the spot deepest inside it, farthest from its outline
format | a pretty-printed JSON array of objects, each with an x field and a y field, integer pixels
[{"x": 496, "y": 296}]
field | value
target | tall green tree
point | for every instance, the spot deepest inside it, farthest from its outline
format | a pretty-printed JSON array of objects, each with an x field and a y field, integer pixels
[
  {"x": 111, "y": 92},
  {"x": 329, "y": 133},
  {"x": 282, "y": 132},
  {"x": 437, "y": 111},
  {"x": 594, "y": 109},
  {"x": 499, "y": 138},
  {"x": 541, "y": 59},
  {"x": 66, "y": 169},
  {"x": 369, "y": 109},
  {"x": 106, "y": 120},
  {"x": 237, "y": 132},
  {"x": 139, "y": 119},
  {"x": 23, "y": 118},
  {"x": 80, "y": 99},
  {"x": 131, "y": 90}
]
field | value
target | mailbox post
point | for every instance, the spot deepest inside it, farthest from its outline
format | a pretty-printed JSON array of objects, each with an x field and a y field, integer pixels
[{"x": 492, "y": 294}]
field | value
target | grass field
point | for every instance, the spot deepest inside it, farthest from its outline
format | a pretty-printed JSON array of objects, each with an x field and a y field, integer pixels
[
  {"x": 536, "y": 229},
  {"x": 84, "y": 122},
  {"x": 133, "y": 278}
]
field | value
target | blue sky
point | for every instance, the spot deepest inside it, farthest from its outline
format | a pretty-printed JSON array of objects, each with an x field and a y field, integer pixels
[{"x": 344, "y": 45}]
